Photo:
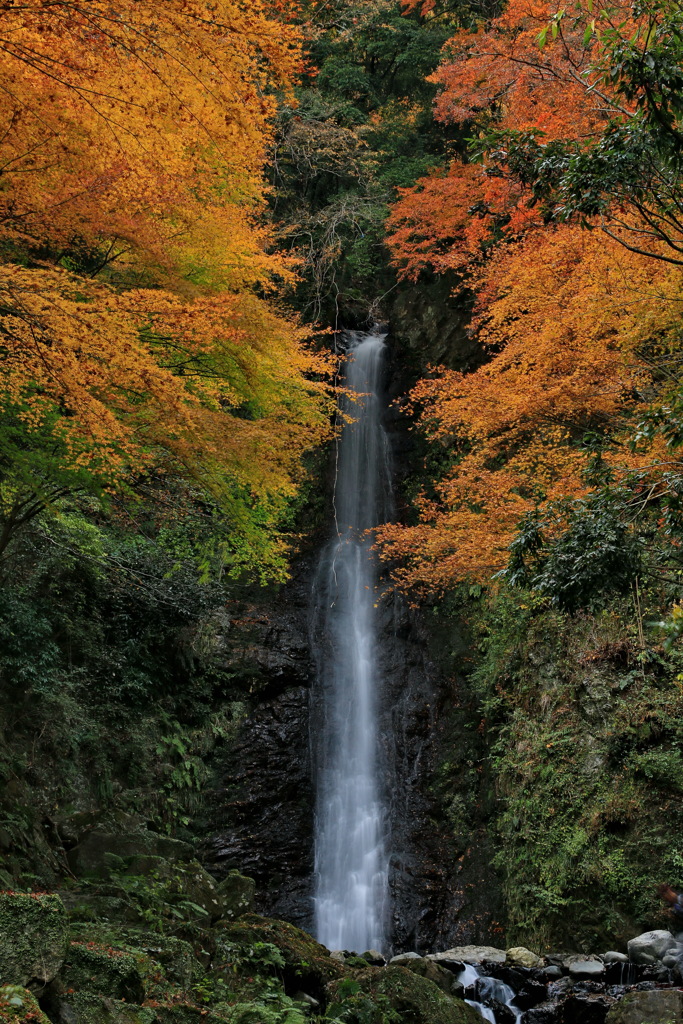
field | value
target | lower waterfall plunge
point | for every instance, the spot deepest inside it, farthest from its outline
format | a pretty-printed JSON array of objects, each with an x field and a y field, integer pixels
[{"x": 351, "y": 861}]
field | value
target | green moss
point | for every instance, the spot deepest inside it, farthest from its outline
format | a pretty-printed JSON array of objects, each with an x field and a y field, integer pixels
[
  {"x": 585, "y": 737},
  {"x": 393, "y": 995},
  {"x": 87, "y": 1008},
  {"x": 305, "y": 963},
  {"x": 106, "y": 971},
  {"x": 33, "y": 936}
]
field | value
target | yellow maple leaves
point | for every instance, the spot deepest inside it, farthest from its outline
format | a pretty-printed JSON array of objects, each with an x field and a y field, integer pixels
[{"x": 138, "y": 279}]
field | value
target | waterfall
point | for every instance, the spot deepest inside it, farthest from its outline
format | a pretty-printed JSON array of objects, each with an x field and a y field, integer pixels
[{"x": 351, "y": 863}]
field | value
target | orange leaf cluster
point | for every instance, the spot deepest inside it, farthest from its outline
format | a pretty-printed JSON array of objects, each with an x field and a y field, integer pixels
[
  {"x": 500, "y": 76},
  {"x": 136, "y": 275},
  {"x": 565, "y": 314}
]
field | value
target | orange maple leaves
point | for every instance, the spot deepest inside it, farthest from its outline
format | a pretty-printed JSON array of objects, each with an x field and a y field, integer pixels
[
  {"x": 574, "y": 324},
  {"x": 134, "y": 310},
  {"x": 566, "y": 315}
]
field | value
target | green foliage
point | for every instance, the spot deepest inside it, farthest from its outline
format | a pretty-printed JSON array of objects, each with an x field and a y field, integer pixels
[
  {"x": 594, "y": 555},
  {"x": 362, "y": 129},
  {"x": 353, "y": 1006},
  {"x": 584, "y": 741}
]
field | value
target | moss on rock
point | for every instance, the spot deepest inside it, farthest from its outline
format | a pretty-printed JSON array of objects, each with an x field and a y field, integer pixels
[
  {"x": 237, "y": 893},
  {"x": 87, "y": 1008},
  {"x": 307, "y": 964},
  {"x": 406, "y": 996},
  {"x": 19, "y": 1006},
  {"x": 33, "y": 937},
  {"x": 102, "y": 970}
]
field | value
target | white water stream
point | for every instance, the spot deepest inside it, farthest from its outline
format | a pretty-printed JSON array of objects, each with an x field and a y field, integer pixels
[
  {"x": 351, "y": 866},
  {"x": 487, "y": 990}
]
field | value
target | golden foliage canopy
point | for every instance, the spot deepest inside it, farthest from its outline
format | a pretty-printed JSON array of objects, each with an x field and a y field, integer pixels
[{"x": 137, "y": 330}]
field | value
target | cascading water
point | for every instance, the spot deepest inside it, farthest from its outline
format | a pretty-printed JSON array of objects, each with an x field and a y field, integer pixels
[{"x": 351, "y": 864}]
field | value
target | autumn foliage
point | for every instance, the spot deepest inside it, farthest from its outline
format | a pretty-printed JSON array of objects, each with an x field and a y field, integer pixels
[
  {"x": 140, "y": 329},
  {"x": 576, "y": 326}
]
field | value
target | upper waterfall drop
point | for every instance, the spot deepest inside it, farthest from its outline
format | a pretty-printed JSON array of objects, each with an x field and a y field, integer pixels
[{"x": 351, "y": 861}]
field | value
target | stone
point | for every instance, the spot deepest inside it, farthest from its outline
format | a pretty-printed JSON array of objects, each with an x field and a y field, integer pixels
[
  {"x": 307, "y": 965},
  {"x": 658, "y": 1006},
  {"x": 552, "y": 972},
  {"x": 374, "y": 957},
  {"x": 357, "y": 962},
  {"x": 586, "y": 1008},
  {"x": 530, "y": 993},
  {"x": 237, "y": 893},
  {"x": 309, "y": 1001},
  {"x": 414, "y": 999},
  {"x": 503, "y": 1013},
  {"x": 402, "y": 958},
  {"x": 86, "y": 1008},
  {"x": 33, "y": 938},
  {"x": 338, "y": 955},
  {"x": 612, "y": 957},
  {"x": 104, "y": 971},
  {"x": 435, "y": 972},
  {"x": 191, "y": 884},
  {"x": 520, "y": 956},
  {"x": 650, "y": 946},
  {"x": 118, "y": 839},
  {"x": 588, "y": 969},
  {"x": 469, "y": 955},
  {"x": 545, "y": 1013}
]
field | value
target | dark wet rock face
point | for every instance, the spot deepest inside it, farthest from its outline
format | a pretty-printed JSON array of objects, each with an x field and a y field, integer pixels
[{"x": 262, "y": 821}]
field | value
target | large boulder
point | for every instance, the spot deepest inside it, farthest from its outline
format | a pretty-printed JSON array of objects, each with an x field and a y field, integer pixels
[
  {"x": 306, "y": 964},
  {"x": 86, "y": 1008},
  {"x": 120, "y": 840},
  {"x": 435, "y": 972},
  {"x": 469, "y": 955},
  {"x": 659, "y": 1006},
  {"x": 585, "y": 968},
  {"x": 415, "y": 999},
  {"x": 33, "y": 938},
  {"x": 650, "y": 946},
  {"x": 104, "y": 971},
  {"x": 237, "y": 893}
]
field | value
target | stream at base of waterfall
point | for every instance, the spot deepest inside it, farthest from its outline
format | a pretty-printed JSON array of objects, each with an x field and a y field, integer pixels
[{"x": 351, "y": 859}]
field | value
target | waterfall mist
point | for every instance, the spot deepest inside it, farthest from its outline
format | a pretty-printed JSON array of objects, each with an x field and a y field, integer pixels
[{"x": 351, "y": 860}]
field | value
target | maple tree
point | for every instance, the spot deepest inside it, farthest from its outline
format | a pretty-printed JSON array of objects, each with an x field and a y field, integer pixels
[
  {"x": 140, "y": 331},
  {"x": 575, "y": 323},
  {"x": 575, "y": 329}
]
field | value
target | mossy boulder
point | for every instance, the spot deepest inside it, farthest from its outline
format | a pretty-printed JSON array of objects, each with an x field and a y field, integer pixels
[
  {"x": 439, "y": 975},
  {"x": 116, "y": 841},
  {"x": 308, "y": 966},
  {"x": 175, "y": 957},
  {"x": 255, "y": 1013},
  {"x": 663, "y": 1006},
  {"x": 33, "y": 937},
  {"x": 237, "y": 893},
  {"x": 102, "y": 970},
  {"x": 19, "y": 1006},
  {"x": 193, "y": 887},
  {"x": 87, "y": 1008},
  {"x": 413, "y": 998}
]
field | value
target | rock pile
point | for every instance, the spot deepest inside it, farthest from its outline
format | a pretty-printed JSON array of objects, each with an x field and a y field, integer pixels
[{"x": 638, "y": 987}]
